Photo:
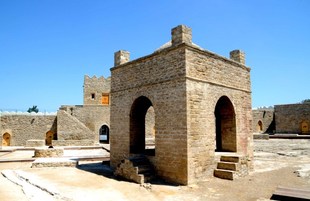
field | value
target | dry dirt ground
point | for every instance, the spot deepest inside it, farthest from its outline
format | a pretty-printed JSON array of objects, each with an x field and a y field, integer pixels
[{"x": 278, "y": 162}]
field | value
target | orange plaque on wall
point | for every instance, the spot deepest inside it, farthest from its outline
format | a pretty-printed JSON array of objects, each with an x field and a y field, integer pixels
[{"x": 105, "y": 99}]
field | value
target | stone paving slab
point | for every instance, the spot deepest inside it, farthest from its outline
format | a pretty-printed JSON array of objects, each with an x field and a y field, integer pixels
[{"x": 54, "y": 162}]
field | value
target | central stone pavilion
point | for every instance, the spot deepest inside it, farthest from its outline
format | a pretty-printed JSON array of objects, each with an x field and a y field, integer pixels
[{"x": 201, "y": 102}]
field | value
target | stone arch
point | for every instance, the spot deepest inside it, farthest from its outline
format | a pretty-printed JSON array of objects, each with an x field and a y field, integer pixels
[
  {"x": 225, "y": 124},
  {"x": 150, "y": 128},
  {"x": 304, "y": 127},
  {"x": 6, "y": 139},
  {"x": 49, "y": 137},
  {"x": 138, "y": 112},
  {"x": 104, "y": 134},
  {"x": 259, "y": 126}
]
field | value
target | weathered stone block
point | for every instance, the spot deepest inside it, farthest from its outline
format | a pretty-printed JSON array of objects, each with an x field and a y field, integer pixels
[
  {"x": 35, "y": 143},
  {"x": 73, "y": 143},
  {"x": 53, "y": 162},
  {"x": 261, "y": 136},
  {"x": 48, "y": 152}
]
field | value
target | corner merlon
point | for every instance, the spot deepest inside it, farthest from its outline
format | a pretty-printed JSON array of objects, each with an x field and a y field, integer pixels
[
  {"x": 121, "y": 57},
  {"x": 238, "y": 56},
  {"x": 181, "y": 34}
]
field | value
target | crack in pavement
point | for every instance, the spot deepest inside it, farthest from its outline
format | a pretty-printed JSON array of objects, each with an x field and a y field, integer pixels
[{"x": 34, "y": 189}]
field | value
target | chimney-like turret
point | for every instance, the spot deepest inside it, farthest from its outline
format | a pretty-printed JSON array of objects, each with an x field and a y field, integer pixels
[
  {"x": 121, "y": 57},
  {"x": 238, "y": 56},
  {"x": 181, "y": 34}
]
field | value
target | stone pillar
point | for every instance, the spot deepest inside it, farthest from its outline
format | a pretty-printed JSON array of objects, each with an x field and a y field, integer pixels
[
  {"x": 0, "y": 131},
  {"x": 121, "y": 57},
  {"x": 238, "y": 56},
  {"x": 181, "y": 34}
]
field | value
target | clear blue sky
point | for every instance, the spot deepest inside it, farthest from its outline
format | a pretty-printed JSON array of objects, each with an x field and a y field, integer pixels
[{"x": 47, "y": 46}]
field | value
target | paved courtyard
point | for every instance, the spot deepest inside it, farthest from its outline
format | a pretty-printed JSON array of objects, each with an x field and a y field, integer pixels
[{"x": 278, "y": 162}]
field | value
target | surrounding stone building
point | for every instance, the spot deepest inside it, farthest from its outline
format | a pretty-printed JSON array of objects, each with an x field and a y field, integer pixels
[
  {"x": 263, "y": 121},
  {"x": 96, "y": 90},
  {"x": 201, "y": 102},
  {"x": 283, "y": 119},
  {"x": 76, "y": 123},
  {"x": 292, "y": 118},
  {"x": 16, "y": 129},
  {"x": 86, "y": 124}
]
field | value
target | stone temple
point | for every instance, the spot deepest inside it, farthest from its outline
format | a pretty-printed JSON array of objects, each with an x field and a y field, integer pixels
[{"x": 201, "y": 103}]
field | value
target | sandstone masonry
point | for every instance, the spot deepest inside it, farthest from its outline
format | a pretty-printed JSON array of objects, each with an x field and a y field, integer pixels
[
  {"x": 292, "y": 118},
  {"x": 201, "y": 101},
  {"x": 74, "y": 125},
  {"x": 21, "y": 128},
  {"x": 263, "y": 121}
]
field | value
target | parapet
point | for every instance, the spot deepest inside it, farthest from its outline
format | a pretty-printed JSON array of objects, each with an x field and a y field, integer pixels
[
  {"x": 96, "y": 80},
  {"x": 238, "y": 56}
]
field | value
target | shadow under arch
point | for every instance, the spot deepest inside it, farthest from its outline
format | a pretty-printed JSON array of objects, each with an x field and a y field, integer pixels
[
  {"x": 138, "y": 112},
  {"x": 225, "y": 123},
  {"x": 104, "y": 134},
  {"x": 6, "y": 139},
  {"x": 304, "y": 127},
  {"x": 260, "y": 126}
]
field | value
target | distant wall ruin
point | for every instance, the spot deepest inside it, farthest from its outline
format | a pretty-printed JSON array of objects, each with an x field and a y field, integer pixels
[{"x": 292, "y": 118}]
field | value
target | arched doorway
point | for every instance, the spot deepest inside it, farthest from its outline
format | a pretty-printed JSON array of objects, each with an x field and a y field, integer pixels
[
  {"x": 104, "y": 134},
  {"x": 225, "y": 124},
  {"x": 304, "y": 127},
  {"x": 6, "y": 139},
  {"x": 49, "y": 136},
  {"x": 259, "y": 126},
  {"x": 150, "y": 128},
  {"x": 139, "y": 110}
]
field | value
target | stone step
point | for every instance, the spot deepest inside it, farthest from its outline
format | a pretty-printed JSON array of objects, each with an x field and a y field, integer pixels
[
  {"x": 139, "y": 161},
  {"x": 148, "y": 177},
  {"x": 224, "y": 174},
  {"x": 145, "y": 168},
  {"x": 228, "y": 166},
  {"x": 234, "y": 159},
  {"x": 137, "y": 169},
  {"x": 285, "y": 193},
  {"x": 142, "y": 169},
  {"x": 54, "y": 162}
]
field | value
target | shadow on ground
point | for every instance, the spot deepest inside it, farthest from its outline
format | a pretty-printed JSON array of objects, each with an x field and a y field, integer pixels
[{"x": 99, "y": 168}]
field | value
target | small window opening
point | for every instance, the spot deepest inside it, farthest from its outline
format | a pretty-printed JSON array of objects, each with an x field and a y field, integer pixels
[{"x": 93, "y": 96}]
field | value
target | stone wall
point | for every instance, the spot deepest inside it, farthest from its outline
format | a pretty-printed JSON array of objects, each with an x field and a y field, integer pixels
[
  {"x": 74, "y": 122},
  {"x": 153, "y": 77},
  {"x": 210, "y": 77},
  {"x": 63, "y": 143},
  {"x": 70, "y": 128},
  {"x": 92, "y": 116},
  {"x": 263, "y": 121},
  {"x": 36, "y": 143},
  {"x": 289, "y": 118},
  {"x": 23, "y": 127},
  {"x": 95, "y": 88},
  {"x": 207, "y": 67}
]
